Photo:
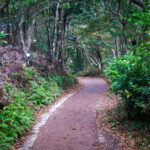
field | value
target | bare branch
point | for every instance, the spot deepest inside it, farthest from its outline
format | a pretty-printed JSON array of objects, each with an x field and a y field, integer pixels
[{"x": 108, "y": 45}]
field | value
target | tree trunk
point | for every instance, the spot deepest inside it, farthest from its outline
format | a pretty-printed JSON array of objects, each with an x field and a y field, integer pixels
[
  {"x": 8, "y": 26},
  {"x": 62, "y": 41},
  {"x": 26, "y": 43},
  {"x": 99, "y": 55},
  {"x": 79, "y": 58},
  {"x": 55, "y": 31},
  {"x": 49, "y": 36},
  {"x": 117, "y": 47}
]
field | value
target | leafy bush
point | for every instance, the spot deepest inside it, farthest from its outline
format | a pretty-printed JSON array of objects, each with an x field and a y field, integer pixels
[
  {"x": 43, "y": 92},
  {"x": 93, "y": 72},
  {"x": 65, "y": 81},
  {"x": 69, "y": 80},
  {"x": 130, "y": 77},
  {"x": 57, "y": 79}
]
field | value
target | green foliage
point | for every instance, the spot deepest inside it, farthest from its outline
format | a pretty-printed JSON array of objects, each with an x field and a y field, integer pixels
[
  {"x": 43, "y": 91},
  {"x": 69, "y": 80},
  {"x": 17, "y": 117},
  {"x": 134, "y": 130},
  {"x": 27, "y": 2},
  {"x": 140, "y": 18},
  {"x": 58, "y": 79},
  {"x": 93, "y": 72},
  {"x": 65, "y": 5},
  {"x": 2, "y": 35},
  {"x": 65, "y": 81},
  {"x": 130, "y": 76}
]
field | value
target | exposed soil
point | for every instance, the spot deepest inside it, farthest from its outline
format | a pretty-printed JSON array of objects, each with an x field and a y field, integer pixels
[{"x": 107, "y": 140}]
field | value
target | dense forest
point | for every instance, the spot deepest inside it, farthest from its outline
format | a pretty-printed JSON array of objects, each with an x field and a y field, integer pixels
[{"x": 43, "y": 43}]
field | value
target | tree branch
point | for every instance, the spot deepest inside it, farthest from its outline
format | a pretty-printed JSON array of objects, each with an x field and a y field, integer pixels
[
  {"x": 138, "y": 2},
  {"x": 108, "y": 45}
]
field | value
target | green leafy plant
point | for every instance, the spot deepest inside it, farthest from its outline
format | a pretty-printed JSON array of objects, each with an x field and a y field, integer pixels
[
  {"x": 130, "y": 77},
  {"x": 17, "y": 117},
  {"x": 64, "y": 81},
  {"x": 2, "y": 35},
  {"x": 69, "y": 80}
]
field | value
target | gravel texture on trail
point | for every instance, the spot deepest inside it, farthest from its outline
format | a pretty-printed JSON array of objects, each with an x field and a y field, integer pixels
[{"x": 73, "y": 125}]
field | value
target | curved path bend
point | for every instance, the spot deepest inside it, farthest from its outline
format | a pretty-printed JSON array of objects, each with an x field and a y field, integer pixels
[{"x": 72, "y": 126}]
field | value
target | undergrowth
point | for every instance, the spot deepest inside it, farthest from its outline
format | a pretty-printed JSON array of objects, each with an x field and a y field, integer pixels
[
  {"x": 132, "y": 133},
  {"x": 31, "y": 93},
  {"x": 92, "y": 72}
]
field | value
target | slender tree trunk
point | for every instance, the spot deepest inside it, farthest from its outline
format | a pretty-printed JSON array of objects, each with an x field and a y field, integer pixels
[
  {"x": 62, "y": 41},
  {"x": 99, "y": 55},
  {"x": 14, "y": 27},
  {"x": 8, "y": 25},
  {"x": 26, "y": 43},
  {"x": 124, "y": 42},
  {"x": 117, "y": 47},
  {"x": 21, "y": 30},
  {"x": 49, "y": 36},
  {"x": 79, "y": 58},
  {"x": 30, "y": 32},
  {"x": 55, "y": 30},
  {"x": 121, "y": 46},
  {"x": 87, "y": 56}
]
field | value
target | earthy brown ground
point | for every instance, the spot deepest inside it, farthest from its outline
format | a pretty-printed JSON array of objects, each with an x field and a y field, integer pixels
[
  {"x": 72, "y": 126},
  {"x": 107, "y": 139},
  {"x": 116, "y": 131}
]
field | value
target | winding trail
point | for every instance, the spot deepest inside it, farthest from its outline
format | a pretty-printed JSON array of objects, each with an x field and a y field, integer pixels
[{"x": 72, "y": 126}]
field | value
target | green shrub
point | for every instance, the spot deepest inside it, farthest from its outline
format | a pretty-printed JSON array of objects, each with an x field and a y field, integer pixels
[
  {"x": 65, "y": 81},
  {"x": 92, "y": 72},
  {"x": 130, "y": 77},
  {"x": 15, "y": 119},
  {"x": 43, "y": 92},
  {"x": 69, "y": 80},
  {"x": 34, "y": 92},
  {"x": 58, "y": 79}
]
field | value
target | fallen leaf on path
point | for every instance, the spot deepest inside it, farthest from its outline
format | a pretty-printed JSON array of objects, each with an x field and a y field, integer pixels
[{"x": 89, "y": 135}]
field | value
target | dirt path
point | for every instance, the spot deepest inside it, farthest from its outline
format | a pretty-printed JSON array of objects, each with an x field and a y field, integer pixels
[{"x": 72, "y": 126}]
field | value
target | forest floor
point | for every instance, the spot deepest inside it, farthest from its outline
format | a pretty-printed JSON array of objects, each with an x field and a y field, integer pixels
[{"x": 75, "y": 125}]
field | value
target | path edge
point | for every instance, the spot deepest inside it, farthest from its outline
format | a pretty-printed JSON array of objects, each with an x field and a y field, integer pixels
[{"x": 30, "y": 140}]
